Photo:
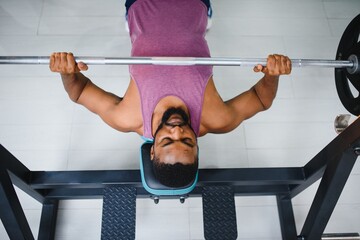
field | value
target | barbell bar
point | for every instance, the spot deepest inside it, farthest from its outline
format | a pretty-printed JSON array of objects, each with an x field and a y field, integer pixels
[{"x": 351, "y": 64}]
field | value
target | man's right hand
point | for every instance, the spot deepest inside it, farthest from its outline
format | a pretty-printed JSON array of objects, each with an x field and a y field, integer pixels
[
  {"x": 64, "y": 63},
  {"x": 74, "y": 82}
]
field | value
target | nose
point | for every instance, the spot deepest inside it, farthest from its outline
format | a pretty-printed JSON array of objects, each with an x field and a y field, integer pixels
[{"x": 176, "y": 132}]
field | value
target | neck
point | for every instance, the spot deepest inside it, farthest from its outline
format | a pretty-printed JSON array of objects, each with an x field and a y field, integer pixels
[{"x": 162, "y": 106}]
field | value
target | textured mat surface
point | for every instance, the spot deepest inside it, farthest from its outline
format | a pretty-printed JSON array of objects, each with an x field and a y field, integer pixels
[
  {"x": 219, "y": 213},
  {"x": 119, "y": 213}
]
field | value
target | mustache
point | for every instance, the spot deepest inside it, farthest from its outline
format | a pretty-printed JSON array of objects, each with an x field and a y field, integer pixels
[
  {"x": 166, "y": 116},
  {"x": 171, "y": 111}
]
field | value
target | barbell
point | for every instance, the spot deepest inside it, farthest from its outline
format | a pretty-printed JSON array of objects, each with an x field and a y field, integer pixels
[
  {"x": 346, "y": 63},
  {"x": 352, "y": 64}
]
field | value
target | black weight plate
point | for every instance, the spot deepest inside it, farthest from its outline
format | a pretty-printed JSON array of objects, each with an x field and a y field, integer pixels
[{"x": 349, "y": 44}]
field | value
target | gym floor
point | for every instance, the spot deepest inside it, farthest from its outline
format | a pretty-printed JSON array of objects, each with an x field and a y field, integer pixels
[{"x": 46, "y": 131}]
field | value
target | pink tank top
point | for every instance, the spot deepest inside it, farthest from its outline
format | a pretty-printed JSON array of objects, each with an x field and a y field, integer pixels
[{"x": 169, "y": 28}]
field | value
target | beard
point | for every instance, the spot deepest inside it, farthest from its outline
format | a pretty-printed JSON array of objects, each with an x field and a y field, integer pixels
[
  {"x": 168, "y": 113},
  {"x": 171, "y": 111}
]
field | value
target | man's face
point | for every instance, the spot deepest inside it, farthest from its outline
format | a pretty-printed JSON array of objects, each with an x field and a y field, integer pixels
[{"x": 175, "y": 140}]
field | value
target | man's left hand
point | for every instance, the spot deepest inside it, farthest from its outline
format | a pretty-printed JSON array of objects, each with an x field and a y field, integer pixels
[{"x": 276, "y": 65}]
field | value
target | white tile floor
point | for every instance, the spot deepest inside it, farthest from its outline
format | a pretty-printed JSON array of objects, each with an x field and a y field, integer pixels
[{"x": 46, "y": 131}]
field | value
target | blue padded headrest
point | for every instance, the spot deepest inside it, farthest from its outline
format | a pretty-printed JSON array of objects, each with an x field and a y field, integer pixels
[{"x": 150, "y": 183}]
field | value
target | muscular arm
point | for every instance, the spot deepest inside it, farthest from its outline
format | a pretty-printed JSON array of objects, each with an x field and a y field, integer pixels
[
  {"x": 265, "y": 90},
  {"x": 261, "y": 96},
  {"x": 74, "y": 84},
  {"x": 258, "y": 98},
  {"x": 223, "y": 117},
  {"x": 82, "y": 91}
]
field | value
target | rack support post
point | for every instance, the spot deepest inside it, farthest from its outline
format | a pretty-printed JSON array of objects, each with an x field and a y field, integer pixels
[
  {"x": 11, "y": 212},
  {"x": 286, "y": 217},
  {"x": 328, "y": 193}
]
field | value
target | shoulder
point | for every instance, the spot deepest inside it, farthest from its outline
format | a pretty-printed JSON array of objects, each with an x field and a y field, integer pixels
[
  {"x": 126, "y": 116},
  {"x": 216, "y": 115}
]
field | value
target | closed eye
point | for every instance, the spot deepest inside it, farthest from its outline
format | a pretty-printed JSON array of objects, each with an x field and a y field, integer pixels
[
  {"x": 168, "y": 141},
  {"x": 187, "y": 141}
]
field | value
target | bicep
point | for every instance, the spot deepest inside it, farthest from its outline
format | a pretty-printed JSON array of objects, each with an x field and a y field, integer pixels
[
  {"x": 100, "y": 102},
  {"x": 220, "y": 116},
  {"x": 228, "y": 115},
  {"x": 217, "y": 116},
  {"x": 244, "y": 106}
]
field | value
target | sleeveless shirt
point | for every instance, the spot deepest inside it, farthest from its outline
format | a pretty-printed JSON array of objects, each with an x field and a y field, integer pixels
[{"x": 169, "y": 28}]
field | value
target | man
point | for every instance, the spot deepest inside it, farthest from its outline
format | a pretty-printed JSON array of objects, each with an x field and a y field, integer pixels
[{"x": 170, "y": 105}]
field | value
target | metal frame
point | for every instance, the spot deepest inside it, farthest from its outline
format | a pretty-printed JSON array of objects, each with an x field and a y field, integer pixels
[{"x": 333, "y": 164}]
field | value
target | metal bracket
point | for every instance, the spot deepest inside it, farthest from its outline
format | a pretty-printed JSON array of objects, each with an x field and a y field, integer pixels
[{"x": 341, "y": 122}]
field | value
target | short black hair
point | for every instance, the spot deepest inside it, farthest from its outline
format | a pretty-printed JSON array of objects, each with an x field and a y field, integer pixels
[{"x": 175, "y": 175}]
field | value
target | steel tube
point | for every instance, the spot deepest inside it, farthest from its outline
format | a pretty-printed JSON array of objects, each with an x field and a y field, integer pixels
[
  {"x": 181, "y": 61},
  {"x": 340, "y": 236}
]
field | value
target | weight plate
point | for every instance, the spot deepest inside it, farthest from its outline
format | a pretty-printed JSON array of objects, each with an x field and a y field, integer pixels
[{"x": 348, "y": 45}]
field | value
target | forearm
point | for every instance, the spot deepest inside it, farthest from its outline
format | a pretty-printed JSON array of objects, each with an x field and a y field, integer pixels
[
  {"x": 266, "y": 90},
  {"x": 74, "y": 84}
]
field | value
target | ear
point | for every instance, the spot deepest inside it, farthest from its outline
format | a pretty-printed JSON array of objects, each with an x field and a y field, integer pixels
[{"x": 152, "y": 153}]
